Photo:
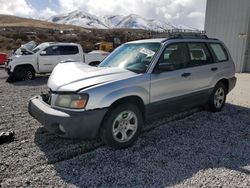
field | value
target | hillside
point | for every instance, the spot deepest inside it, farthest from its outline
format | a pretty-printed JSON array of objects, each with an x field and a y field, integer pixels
[{"x": 14, "y": 21}]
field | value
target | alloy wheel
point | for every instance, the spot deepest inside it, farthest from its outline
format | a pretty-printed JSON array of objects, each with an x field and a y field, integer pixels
[
  {"x": 125, "y": 126},
  {"x": 219, "y": 97}
]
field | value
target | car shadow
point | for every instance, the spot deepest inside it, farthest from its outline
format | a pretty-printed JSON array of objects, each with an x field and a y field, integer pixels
[
  {"x": 58, "y": 149},
  {"x": 39, "y": 80},
  {"x": 164, "y": 156}
]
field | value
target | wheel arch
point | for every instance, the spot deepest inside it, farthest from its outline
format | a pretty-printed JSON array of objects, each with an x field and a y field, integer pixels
[
  {"x": 25, "y": 65},
  {"x": 225, "y": 82},
  {"x": 133, "y": 99}
]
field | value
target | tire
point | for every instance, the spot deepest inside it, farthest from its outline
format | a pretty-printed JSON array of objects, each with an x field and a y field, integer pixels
[
  {"x": 218, "y": 98},
  {"x": 121, "y": 126},
  {"x": 17, "y": 74},
  {"x": 29, "y": 73},
  {"x": 23, "y": 73}
]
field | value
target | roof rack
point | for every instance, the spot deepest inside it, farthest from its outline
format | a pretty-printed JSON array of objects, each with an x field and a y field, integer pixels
[
  {"x": 186, "y": 35},
  {"x": 189, "y": 35}
]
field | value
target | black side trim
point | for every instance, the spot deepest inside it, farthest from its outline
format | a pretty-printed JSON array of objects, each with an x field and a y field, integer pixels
[{"x": 178, "y": 104}]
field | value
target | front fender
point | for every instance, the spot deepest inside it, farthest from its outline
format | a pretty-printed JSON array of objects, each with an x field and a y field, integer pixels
[
  {"x": 29, "y": 61},
  {"x": 112, "y": 97},
  {"x": 105, "y": 95}
]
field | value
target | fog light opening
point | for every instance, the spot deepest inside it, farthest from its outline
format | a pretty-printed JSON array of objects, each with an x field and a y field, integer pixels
[{"x": 62, "y": 128}]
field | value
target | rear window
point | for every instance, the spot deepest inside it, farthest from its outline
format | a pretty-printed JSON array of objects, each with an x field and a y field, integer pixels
[{"x": 219, "y": 52}]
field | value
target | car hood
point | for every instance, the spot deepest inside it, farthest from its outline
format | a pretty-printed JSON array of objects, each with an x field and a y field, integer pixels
[
  {"x": 75, "y": 76},
  {"x": 21, "y": 57}
]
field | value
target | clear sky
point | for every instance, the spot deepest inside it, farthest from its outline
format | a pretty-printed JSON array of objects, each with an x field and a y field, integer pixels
[
  {"x": 43, "y": 4},
  {"x": 178, "y": 12}
]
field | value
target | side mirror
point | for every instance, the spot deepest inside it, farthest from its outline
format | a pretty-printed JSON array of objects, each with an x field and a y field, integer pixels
[
  {"x": 43, "y": 53},
  {"x": 162, "y": 67}
]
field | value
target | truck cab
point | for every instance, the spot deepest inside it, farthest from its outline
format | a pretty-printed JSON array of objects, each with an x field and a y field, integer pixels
[{"x": 45, "y": 57}]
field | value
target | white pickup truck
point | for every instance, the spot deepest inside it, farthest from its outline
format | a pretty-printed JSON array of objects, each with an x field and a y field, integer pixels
[{"x": 45, "y": 57}]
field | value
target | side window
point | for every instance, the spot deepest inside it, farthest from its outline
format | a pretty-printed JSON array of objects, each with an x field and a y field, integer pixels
[
  {"x": 199, "y": 54},
  {"x": 219, "y": 52},
  {"x": 175, "y": 54},
  {"x": 52, "y": 50},
  {"x": 68, "y": 50}
]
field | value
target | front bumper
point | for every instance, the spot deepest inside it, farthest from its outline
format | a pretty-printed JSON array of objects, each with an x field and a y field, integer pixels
[
  {"x": 8, "y": 71},
  {"x": 7, "y": 67},
  {"x": 81, "y": 125}
]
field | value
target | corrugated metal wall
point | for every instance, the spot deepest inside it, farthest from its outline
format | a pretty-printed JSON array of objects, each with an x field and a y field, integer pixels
[
  {"x": 247, "y": 54},
  {"x": 226, "y": 20}
]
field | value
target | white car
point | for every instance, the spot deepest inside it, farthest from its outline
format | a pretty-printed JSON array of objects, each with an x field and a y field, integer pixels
[{"x": 45, "y": 57}]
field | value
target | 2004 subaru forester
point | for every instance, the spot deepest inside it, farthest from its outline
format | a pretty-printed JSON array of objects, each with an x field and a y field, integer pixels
[{"x": 138, "y": 80}]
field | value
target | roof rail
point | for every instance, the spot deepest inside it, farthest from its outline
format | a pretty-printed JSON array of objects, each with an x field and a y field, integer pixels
[{"x": 186, "y": 35}]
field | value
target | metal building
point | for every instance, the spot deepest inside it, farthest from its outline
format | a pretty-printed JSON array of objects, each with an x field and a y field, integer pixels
[{"x": 229, "y": 20}]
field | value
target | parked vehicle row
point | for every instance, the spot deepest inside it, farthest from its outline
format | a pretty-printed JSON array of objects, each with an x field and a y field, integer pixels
[
  {"x": 43, "y": 59},
  {"x": 137, "y": 81}
]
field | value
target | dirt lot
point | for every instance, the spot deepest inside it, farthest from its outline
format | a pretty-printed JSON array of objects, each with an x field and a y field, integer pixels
[{"x": 201, "y": 150}]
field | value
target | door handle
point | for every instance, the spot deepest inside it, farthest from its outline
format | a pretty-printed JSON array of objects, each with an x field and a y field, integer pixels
[
  {"x": 186, "y": 74},
  {"x": 214, "y": 69}
]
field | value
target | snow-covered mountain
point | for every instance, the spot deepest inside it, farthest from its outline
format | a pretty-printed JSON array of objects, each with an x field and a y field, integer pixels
[
  {"x": 137, "y": 22},
  {"x": 181, "y": 26},
  {"x": 132, "y": 21},
  {"x": 112, "y": 21},
  {"x": 79, "y": 18}
]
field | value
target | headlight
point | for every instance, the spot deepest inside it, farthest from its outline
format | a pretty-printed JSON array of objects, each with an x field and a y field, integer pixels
[{"x": 74, "y": 101}]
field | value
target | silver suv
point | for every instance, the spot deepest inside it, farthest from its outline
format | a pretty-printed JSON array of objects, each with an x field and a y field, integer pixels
[{"x": 138, "y": 81}]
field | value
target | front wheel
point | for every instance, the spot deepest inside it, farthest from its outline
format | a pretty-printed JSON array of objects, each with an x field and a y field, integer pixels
[
  {"x": 218, "y": 98},
  {"x": 23, "y": 73},
  {"x": 122, "y": 126},
  {"x": 29, "y": 73}
]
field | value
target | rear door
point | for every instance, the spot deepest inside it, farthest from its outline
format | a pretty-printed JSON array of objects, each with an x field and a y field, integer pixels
[
  {"x": 202, "y": 65},
  {"x": 70, "y": 52}
]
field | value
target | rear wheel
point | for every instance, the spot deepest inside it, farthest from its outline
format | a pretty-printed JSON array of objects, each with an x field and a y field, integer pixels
[
  {"x": 122, "y": 126},
  {"x": 218, "y": 98}
]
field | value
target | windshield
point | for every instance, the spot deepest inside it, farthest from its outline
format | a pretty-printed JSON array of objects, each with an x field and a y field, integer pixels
[
  {"x": 29, "y": 46},
  {"x": 135, "y": 57},
  {"x": 39, "y": 47}
]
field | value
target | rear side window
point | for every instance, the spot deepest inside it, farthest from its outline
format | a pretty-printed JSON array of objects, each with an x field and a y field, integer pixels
[
  {"x": 68, "y": 50},
  {"x": 199, "y": 54},
  {"x": 219, "y": 52}
]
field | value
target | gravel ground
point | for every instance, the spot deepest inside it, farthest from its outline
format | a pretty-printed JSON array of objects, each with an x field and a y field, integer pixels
[{"x": 202, "y": 150}]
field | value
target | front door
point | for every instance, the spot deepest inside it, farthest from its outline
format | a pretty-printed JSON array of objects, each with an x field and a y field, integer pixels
[
  {"x": 49, "y": 58},
  {"x": 169, "y": 88}
]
